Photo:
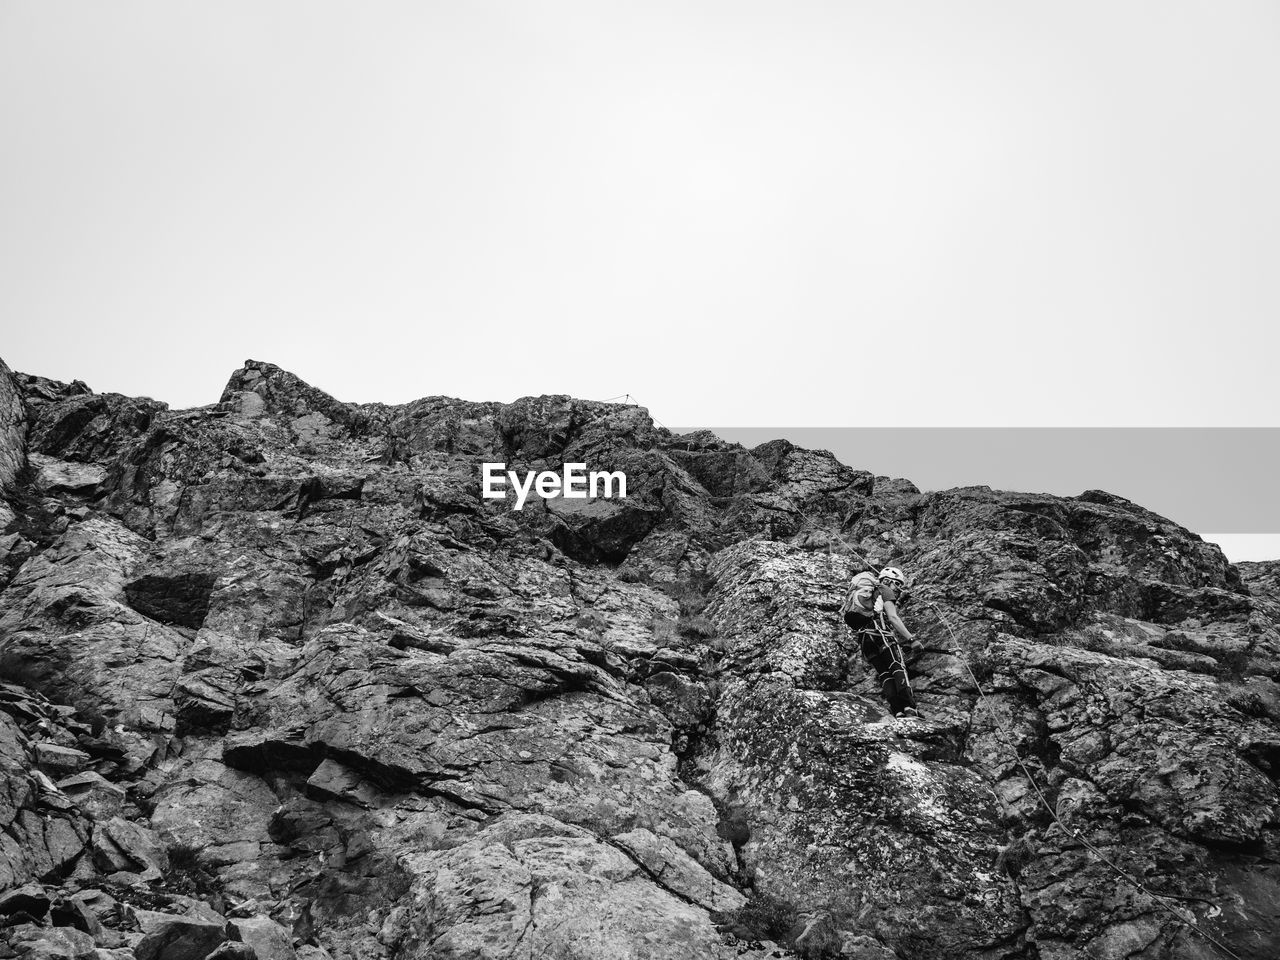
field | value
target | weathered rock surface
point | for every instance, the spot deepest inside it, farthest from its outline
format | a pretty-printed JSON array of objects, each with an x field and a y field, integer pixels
[
  {"x": 13, "y": 430},
  {"x": 278, "y": 683}
]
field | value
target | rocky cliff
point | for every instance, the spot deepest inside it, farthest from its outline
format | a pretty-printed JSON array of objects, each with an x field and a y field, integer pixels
[{"x": 279, "y": 683}]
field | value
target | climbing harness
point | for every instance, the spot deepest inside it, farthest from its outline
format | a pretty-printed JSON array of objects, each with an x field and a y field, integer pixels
[
  {"x": 880, "y": 650},
  {"x": 1160, "y": 899}
]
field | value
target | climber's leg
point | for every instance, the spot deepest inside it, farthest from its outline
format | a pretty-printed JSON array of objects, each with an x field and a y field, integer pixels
[{"x": 885, "y": 656}]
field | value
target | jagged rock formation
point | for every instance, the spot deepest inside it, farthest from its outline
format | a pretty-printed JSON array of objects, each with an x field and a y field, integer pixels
[{"x": 280, "y": 684}]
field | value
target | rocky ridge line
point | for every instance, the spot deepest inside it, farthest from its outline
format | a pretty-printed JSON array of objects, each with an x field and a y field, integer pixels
[{"x": 278, "y": 683}]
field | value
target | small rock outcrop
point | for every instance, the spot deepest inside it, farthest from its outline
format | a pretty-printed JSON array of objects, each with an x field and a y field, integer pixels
[
  {"x": 13, "y": 431},
  {"x": 278, "y": 683}
]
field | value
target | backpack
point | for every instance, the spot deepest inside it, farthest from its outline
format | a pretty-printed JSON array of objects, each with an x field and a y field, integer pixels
[{"x": 864, "y": 585}]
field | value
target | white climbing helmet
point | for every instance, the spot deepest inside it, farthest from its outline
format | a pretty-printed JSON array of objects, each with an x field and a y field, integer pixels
[{"x": 893, "y": 574}]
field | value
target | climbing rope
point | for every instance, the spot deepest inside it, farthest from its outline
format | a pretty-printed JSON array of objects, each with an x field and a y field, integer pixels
[
  {"x": 627, "y": 398},
  {"x": 1160, "y": 899}
]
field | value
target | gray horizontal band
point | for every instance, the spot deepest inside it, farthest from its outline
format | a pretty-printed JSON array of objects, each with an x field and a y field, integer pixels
[{"x": 1221, "y": 479}]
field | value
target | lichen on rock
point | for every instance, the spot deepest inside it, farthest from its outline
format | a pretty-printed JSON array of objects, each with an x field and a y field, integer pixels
[{"x": 278, "y": 682}]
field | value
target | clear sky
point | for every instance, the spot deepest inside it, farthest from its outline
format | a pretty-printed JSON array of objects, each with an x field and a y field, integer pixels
[
  {"x": 743, "y": 213},
  {"x": 760, "y": 213}
]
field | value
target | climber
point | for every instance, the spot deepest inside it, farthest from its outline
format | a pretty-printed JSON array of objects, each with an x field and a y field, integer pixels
[{"x": 870, "y": 609}]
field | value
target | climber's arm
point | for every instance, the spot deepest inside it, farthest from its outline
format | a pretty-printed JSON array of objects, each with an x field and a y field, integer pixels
[{"x": 895, "y": 621}]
